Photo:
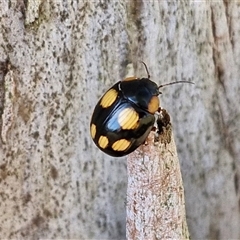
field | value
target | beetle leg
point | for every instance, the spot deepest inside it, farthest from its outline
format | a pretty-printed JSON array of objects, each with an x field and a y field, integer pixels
[
  {"x": 153, "y": 129},
  {"x": 163, "y": 133}
]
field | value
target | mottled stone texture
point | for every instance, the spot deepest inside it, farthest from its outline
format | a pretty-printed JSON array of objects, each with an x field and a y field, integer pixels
[
  {"x": 57, "y": 58},
  {"x": 54, "y": 181}
]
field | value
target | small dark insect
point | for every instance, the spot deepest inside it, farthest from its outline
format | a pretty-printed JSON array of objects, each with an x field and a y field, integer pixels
[{"x": 124, "y": 115}]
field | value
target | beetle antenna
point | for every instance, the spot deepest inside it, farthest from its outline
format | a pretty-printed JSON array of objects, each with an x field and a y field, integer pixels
[
  {"x": 146, "y": 69},
  {"x": 171, "y": 83}
]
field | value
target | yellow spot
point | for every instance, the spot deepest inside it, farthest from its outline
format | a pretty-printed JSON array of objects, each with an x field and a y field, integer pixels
[
  {"x": 153, "y": 104},
  {"x": 93, "y": 130},
  {"x": 128, "y": 118},
  {"x": 103, "y": 142},
  {"x": 109, "y": 98},
  {"x": 121, "y": 145},
  {"x": 130, "y": 78}
]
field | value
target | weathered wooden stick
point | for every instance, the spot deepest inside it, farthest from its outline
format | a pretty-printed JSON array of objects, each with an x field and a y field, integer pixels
[{"x": 155, "y": 194}]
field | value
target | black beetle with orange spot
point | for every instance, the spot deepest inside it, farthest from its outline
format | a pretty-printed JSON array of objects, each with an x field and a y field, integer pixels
[{"x": 124, "y": 116}]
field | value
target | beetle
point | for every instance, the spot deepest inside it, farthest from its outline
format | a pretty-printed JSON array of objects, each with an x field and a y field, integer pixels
[{"x": 124, "y": 115}]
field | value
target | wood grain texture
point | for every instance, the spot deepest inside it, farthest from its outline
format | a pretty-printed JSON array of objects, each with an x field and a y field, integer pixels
[{"x": 155, "y": 194}]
